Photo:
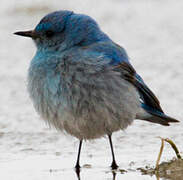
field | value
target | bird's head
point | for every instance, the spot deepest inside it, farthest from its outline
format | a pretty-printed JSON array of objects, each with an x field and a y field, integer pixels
[{"x": 61, "y": 30}]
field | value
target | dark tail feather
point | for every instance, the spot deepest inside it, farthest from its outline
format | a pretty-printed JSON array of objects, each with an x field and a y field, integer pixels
[
  {"x": 161, "y": 120},
  {"x": 158, "y": 117},
  {"x": 150, "y": 103}
]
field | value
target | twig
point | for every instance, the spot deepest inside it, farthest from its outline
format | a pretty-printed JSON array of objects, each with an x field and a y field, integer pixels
[
  {"x": 174, "y": 147},
  {"x": 160, "y": 153},
  {"x": 161, "y": 150}
]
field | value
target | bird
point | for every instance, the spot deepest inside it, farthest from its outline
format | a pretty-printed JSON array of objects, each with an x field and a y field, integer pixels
[{"x": 82, "y": 83}]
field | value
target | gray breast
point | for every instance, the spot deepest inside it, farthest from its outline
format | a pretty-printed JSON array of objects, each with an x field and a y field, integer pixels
[{"x": 83, "y": 99}]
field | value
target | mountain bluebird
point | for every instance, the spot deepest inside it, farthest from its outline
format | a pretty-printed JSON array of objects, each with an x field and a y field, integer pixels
[{"x": 82, "y": 83}]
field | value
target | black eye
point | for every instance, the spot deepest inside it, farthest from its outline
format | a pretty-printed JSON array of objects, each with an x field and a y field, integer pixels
[{"x": 49, "y": 34}]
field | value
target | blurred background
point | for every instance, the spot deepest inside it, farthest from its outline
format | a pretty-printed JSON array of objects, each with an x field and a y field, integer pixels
[{"x": 152, "y": 33}]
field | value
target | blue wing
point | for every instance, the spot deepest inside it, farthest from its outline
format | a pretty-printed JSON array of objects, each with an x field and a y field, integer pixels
[{"x": 149, "y": 102}]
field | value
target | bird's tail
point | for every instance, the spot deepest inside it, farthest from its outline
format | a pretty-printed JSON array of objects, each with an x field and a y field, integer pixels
[
  {"x": 157, "y": 116},
  {"x": 150, "y": 106}
]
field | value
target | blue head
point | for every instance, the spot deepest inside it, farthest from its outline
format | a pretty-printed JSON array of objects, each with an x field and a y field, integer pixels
[{"x": 64, "y": 29}]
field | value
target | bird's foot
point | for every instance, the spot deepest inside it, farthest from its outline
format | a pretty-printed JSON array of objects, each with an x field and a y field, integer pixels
[
  {"x": 78, "y": 170},
  {"x": 77, "y": 166},
  {"x": 114, "y": 165}
]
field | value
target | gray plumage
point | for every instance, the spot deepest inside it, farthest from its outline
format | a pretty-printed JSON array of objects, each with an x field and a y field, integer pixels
[
  {"x": 84, "y": 97},
  {"x": 82, "y": 83}
]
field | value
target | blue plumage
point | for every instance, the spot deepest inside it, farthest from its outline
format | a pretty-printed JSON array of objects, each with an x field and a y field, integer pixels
[{"x": 81, "y": 82}]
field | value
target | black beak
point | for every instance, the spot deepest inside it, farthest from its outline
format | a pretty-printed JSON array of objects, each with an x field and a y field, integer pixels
[{"x": 31, "y": 34}]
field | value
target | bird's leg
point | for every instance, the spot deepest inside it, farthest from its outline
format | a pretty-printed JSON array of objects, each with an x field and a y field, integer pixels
[
  {"x": 78, "y": 158},
  {"x": 113, "y": 165}
]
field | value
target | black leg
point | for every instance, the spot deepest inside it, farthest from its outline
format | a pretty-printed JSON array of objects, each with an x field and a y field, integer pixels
[
  {"x": 79, "y": 151},
  {"x": 113, "y": 165}
]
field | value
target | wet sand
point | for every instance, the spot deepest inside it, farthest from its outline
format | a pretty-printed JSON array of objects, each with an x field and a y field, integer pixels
[{"x": 151, "y": 32}]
